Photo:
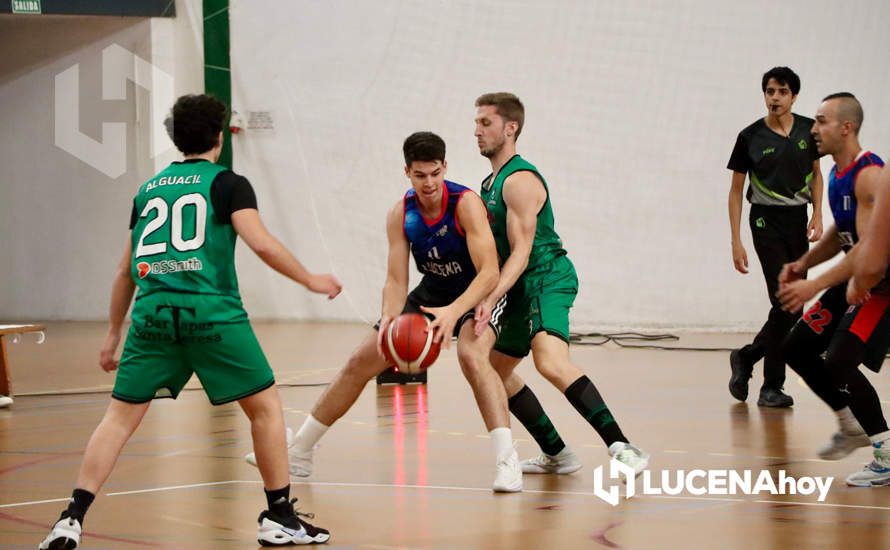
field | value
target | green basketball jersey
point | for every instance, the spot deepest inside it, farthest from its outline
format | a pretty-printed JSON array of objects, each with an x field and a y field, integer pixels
[
  {"x": 547, "y": 245},
  {"x": 179, "y": 245}
]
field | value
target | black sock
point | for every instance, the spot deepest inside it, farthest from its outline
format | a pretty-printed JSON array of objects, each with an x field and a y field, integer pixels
[
  {"x": 279, "y": 501},
  {"x": 583, "y": 396},
  {"x": 527, "y": 409},
  {"x": 79, "y": 504}
]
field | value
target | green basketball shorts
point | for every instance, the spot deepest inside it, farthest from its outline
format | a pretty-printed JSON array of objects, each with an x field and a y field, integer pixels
[
  {"x": 169, "y": 340},
  {"x": 540, "y": 301}
]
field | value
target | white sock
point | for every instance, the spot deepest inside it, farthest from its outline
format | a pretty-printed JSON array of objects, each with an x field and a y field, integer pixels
[
  {"x": 879, "y": 438},
  {"x": 309, "y": 434},
  {"x": 502, "y": 439},
  {"x": 847, "y": 421}
]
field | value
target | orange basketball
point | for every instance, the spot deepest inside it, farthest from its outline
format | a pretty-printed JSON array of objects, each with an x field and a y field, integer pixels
[{"x": 408, "y": 346}]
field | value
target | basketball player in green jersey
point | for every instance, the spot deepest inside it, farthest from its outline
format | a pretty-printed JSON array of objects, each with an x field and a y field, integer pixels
[
  {"x": 188, "y": 317},
  {"x": 540, "y": 283}
]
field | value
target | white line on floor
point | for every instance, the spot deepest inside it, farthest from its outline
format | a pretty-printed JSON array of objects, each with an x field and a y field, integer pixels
[{"x": 458, "y": 488}]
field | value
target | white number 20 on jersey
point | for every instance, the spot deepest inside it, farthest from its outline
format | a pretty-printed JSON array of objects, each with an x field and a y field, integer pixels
[{"x": 160, "y": 221}]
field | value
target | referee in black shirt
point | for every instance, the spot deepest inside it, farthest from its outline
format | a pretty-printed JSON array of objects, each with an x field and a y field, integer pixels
[{"x": 780, "y": 156}]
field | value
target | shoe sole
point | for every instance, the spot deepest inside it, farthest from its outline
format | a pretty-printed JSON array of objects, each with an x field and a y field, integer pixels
[
  {"x": 62, "y": 544},
  {"x": 880, "y": 483},
  {"x": 844, "y": 453},
  {"x": 320, "y": 538},
  {"x": 317, "y": 540},
  {"x": 535, "y": 470},
  {"x": 737, "y": 396},
  {"x": 558, "y": 471},
  {"x": 513, "y": 489},
  {"x": 761, "y": 403},
  {"x": 836, "y": 456}
]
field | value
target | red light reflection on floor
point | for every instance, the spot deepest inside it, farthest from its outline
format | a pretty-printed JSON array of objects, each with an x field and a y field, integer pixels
[{"x": 404, "y": 407}]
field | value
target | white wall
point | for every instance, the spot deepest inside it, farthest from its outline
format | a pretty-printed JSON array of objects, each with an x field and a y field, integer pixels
[
  {"x": 632, "y": 111},
  {"x": 63, "y": 222}
]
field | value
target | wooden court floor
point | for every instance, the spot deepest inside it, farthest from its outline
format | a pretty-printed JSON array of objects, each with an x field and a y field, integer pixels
[{"x": 411, "y": 466}]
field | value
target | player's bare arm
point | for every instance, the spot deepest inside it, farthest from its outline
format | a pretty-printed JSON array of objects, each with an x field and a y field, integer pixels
[
  {"x": 473, "y": 218},
  {"x": 871, "y": 263},
  {"x": 250, "y": 228},
  {"x": 122, "y": 289},
  {"x": 395, "y": 289},
  {"x": 814, "y": 228},
  {"x": 795, "y": 294},
  {"x": 736, "y": 192},
  {"x": 524, "y": 195}
]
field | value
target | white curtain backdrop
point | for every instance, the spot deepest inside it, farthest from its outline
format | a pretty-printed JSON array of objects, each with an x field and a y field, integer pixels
[{"x": 632, "y": 109}]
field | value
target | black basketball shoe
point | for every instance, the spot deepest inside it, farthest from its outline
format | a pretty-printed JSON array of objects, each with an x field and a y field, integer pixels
[
  {"x": 289, "y": 529},
  {"x": 741, "y": 373}
]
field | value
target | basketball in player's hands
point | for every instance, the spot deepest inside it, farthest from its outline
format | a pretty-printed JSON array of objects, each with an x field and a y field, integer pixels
[{"x": 408, "y": 345}]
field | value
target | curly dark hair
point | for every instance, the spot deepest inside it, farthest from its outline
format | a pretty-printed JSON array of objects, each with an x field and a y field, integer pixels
[{"x": 195, "y": 122}]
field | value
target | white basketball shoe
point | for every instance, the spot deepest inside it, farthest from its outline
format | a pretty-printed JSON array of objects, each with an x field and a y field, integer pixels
[
  {"x": 509, "y": 475},
  {"x": 563, "y": 462},
  {"x": 842, "y": 444},
  {"x": 629, "y": 455},
  {"x": 877, "y": 472}
]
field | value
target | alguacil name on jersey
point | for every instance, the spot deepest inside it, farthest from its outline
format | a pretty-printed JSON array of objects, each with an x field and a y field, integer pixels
[
  {"x": 443, "y": 269},
  {"x": 163, "y": 267},
  {"x": 173, "y": 180}
]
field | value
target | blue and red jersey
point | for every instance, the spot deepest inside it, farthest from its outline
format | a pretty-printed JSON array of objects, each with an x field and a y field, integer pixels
[
  {"x": 439, "y": 246},
  {"x": 842, "y": 196}
]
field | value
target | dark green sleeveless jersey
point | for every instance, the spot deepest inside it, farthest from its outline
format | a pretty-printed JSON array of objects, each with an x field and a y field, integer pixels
[
  {"x": 547, "y": 245},
  {"x": 179, "y": 245}
]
